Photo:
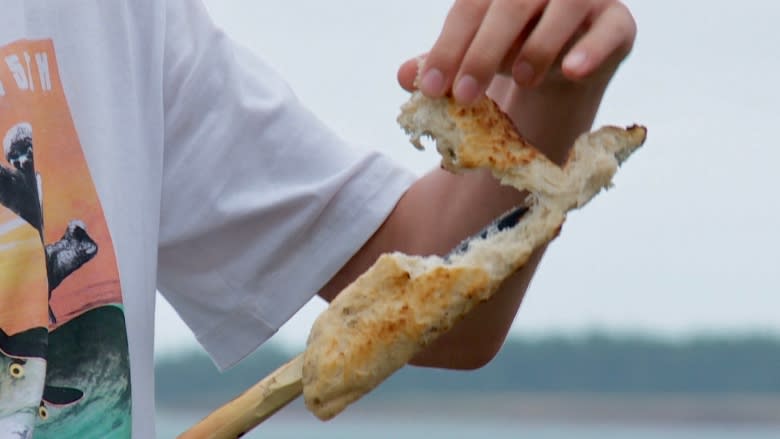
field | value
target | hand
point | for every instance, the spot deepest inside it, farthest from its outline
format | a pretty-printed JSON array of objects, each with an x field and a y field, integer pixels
[{"x": 534, "y": 41}]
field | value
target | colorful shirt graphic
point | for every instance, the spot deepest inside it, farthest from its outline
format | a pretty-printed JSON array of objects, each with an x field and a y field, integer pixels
[{"x": 64, "y": 367}]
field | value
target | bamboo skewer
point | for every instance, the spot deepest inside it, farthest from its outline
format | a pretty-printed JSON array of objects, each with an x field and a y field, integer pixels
[{"x": 252, "y": 407}]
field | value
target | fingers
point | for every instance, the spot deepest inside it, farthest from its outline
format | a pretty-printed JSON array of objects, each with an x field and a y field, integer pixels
[
  {"x": 481, "y": 38},
  {"x": 500, "y": 28},
  {"x": 442, "y": 63},
  {"x": 613, "y": 32},
  {"x": 558, "y": 25},
  {"x": 407, "y": 73}
]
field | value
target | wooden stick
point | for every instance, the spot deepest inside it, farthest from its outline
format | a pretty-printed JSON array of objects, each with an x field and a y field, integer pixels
[{"x": 252, "y": 407}]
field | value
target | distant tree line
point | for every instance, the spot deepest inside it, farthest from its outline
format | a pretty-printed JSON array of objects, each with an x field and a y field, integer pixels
[{"x": 590, "y": 364}]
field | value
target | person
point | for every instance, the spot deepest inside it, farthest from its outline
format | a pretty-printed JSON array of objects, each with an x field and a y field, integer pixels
[{"x": 146, "y": 150}]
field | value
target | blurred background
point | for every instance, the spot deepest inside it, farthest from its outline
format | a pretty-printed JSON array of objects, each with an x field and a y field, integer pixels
[{"x": 656, "y": 314}]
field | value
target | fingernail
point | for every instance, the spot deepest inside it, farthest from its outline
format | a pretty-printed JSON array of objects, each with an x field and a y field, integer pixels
[
  {"x": 432, "y": 83},
  {"x": 575, "y": 61},
  {"x": 466, "y": 90},
  {"x": 523, "y": 73}
]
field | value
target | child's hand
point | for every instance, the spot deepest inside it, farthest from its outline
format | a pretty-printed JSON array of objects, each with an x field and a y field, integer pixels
[{"x": 527, "y": 39}]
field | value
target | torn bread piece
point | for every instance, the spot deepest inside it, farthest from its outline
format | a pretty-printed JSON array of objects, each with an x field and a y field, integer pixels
[
  {"x": 403, "y": 303},
  {"x": 482, "y": 136}
]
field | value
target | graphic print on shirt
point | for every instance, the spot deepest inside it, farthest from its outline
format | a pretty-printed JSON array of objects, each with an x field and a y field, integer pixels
[{"x": 64, "y": 366}]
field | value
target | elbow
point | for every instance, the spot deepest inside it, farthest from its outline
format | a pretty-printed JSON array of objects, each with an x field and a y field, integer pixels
[
  {"x": 461, "y": 354},
  {"x": 478, "y": 356}
]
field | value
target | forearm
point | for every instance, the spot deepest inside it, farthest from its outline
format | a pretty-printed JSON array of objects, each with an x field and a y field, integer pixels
[
  {"x": 433, "y": 216},
  {"x": 551, "y": 120}
]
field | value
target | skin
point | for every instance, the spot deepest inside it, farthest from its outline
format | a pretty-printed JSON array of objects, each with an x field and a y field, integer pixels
[{"x": 547, "y": 64}]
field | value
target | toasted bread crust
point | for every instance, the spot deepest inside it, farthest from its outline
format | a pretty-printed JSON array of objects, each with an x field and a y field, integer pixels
[
  {"x": 490, "y": 139},
  {"x": 477, "y": 136},
  {"x": 382, "y": 319}
]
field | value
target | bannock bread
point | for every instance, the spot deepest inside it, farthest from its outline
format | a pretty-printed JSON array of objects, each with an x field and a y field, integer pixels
[{"x": 402, "y": 303}]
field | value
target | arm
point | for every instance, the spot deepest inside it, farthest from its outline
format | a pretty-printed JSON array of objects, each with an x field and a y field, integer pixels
[{"x": 550, "y": 108}]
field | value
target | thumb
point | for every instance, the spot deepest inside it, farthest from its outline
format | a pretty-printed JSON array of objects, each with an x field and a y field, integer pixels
[{"x": 407, "y": 73}]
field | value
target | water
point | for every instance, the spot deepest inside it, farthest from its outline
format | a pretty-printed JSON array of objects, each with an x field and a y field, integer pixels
[{"x": 387, "y": 427}]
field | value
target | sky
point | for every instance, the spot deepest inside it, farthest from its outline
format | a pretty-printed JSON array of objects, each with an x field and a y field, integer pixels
[{"x": 687, "y": 241}]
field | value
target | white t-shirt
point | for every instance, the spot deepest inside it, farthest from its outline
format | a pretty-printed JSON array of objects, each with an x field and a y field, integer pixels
[{"x": 142, "y": 150}]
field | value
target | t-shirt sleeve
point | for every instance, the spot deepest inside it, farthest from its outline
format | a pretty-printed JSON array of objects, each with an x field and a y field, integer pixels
[{"x": 261, "y": 203}]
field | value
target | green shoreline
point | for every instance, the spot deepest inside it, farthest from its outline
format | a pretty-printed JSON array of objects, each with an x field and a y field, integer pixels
[
  {"x": 592, "y": 378},
  {"x": 575, "y": 408}
]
